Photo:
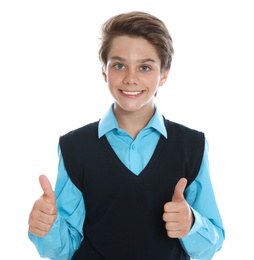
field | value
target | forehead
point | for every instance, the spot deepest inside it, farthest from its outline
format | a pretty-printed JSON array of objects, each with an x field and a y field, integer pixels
[{"x": 132, "y": 47}]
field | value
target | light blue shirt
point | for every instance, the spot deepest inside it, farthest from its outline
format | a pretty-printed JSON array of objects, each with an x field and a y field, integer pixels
[{"x": 207, "y": 233}]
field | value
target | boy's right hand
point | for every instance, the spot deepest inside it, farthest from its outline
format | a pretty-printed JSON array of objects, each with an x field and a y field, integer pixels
[{"x": 43, "y": 214}]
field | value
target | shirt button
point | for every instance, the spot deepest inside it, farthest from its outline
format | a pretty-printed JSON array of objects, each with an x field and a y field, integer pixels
[{"x": 133, "y": 147}]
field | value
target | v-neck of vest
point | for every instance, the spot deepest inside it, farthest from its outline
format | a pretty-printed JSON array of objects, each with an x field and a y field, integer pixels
[{"x": 120, "y": 165}]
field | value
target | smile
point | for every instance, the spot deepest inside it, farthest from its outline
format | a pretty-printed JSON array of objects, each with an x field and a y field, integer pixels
[{"x": 132, "y": 93}]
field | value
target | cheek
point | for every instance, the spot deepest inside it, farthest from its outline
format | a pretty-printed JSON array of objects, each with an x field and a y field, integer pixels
[
  {"x": 111, "y": 81},
  {"x": 114, "y": 79},
  {"x": 152, "y": 81}
]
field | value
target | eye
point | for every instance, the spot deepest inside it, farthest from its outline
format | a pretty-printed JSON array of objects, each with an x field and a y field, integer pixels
[
  {"x": 119, "y": 66},
  {"x": 145, "y": 68}
]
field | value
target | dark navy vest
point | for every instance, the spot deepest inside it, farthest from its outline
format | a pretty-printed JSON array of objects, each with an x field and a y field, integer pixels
[{"x": 124, "y": 211}]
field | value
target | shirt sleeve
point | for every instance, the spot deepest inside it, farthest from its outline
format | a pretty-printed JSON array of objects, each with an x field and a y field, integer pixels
[
  {"x": 207, "y": 233},
  {"x": 66, "y": 234}
]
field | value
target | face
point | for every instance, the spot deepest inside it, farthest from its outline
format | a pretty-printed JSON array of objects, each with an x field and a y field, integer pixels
[{"x": 133, "y": 74}]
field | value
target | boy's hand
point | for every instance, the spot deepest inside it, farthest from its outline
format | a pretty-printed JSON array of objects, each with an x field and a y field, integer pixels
[
  {"x": 177, "y": 213},
  {"x": 44, "y": 210}
]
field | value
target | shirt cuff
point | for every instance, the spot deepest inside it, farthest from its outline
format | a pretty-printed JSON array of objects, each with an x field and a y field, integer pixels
[
  {"x": 197, "y": 222},
  {"x": 44, "y": 244}
]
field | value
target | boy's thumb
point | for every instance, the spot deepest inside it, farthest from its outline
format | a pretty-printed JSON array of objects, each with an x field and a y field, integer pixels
[
  {"x": 179, "y": 190},
  {"x": 48, "y": 192}
]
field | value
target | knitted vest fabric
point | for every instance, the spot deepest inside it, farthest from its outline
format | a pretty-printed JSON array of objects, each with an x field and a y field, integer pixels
[{"x": 124, "y": 211}]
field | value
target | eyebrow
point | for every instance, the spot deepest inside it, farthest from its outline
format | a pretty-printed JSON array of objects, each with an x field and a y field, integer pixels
[{"x": 140, "y": 60}]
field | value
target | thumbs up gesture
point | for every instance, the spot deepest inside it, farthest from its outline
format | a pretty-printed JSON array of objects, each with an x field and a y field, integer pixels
[
  {"x": 177, "y": 215},
  {"x": 43, "y": 213}
]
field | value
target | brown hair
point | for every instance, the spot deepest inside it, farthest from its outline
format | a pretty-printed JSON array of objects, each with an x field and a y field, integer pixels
[{"x": 138, "y": 24}]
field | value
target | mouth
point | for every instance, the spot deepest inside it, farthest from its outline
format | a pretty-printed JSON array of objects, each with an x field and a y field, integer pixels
[{"x": 131, "y": 93}]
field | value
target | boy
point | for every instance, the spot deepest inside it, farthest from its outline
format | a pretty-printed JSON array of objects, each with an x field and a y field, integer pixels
[{"x": 133, "y": 185}]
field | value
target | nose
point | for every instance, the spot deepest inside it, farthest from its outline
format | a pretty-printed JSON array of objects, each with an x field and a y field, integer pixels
[{"x": 130, "y": 78}]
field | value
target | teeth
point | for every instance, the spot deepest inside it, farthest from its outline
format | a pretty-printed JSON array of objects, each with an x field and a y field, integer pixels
[{"x": 132, "y": 93}]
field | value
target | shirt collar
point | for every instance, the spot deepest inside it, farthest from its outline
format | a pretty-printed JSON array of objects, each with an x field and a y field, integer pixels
[{"x": 108, "y": 122}]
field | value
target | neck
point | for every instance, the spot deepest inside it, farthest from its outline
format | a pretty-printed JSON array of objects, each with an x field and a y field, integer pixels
[{"x": 133, "y": 122}]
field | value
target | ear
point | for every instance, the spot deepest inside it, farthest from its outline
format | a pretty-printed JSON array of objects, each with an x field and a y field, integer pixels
[
  {"x": 104, "y": 74},
  {"x": 164, "y": 77}
]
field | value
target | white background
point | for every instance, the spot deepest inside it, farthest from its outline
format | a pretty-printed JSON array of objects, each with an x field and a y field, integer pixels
[{"x": 50, "y": 83}]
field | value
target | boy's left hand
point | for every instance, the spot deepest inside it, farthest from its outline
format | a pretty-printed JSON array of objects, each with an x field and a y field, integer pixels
[{"x": 177, "y": 213}]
